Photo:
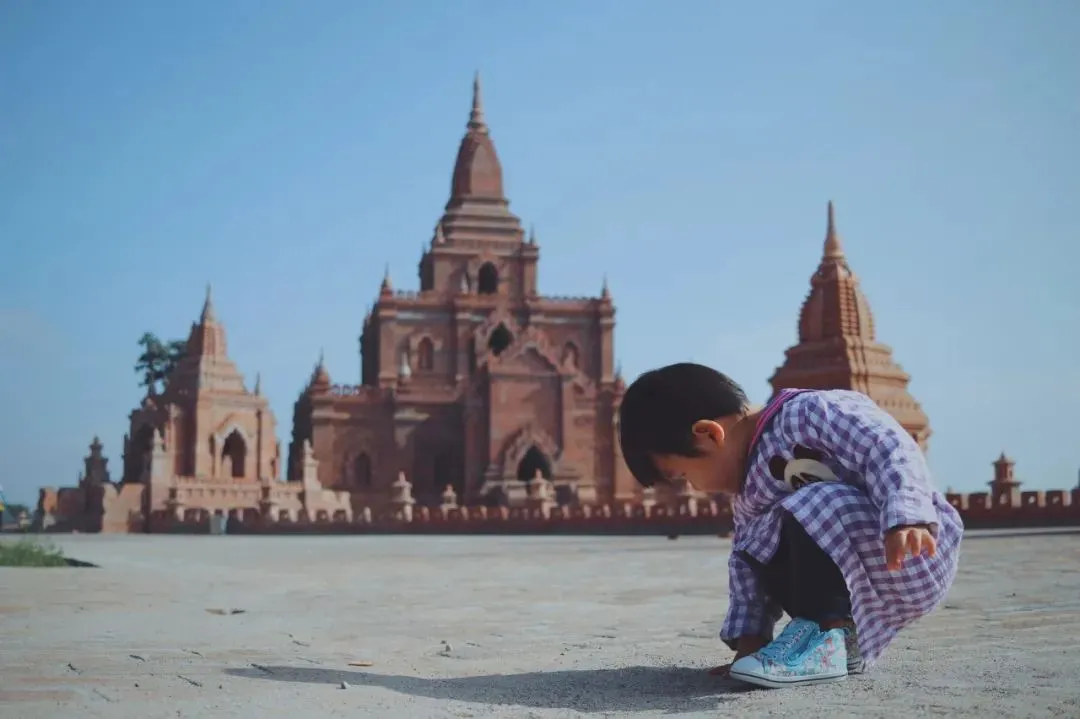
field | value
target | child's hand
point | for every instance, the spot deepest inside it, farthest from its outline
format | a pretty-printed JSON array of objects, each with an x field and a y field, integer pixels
[
  {"x": 903, "y": 541},
  {"x": 745, "y": 647}
]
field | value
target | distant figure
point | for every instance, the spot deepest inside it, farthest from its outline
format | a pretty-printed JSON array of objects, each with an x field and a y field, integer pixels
[{"x": 820, "y": 480}]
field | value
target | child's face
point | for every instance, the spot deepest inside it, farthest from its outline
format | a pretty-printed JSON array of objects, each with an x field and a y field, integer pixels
[
  {"x": 699, "y": 472},
  {"x": 713, "y": 471}
]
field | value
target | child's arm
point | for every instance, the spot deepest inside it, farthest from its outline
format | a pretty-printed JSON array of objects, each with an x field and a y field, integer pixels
[
  {"x": 750, "y": 613},
  {"x": 866, "y": 440}
]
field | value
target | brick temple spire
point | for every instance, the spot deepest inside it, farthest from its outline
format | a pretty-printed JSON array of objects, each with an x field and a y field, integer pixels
[
  {"x": 838, "y": 348},
  {"x": 476, "y": 117},
  {"x": 206, "y": 364},
  {"x": 477, "y": 172},
  {"x": 207, "y": 335},
  {"x": 478, "y": 209},
  {"x": 320, "y": 378},
  {"x": 833, "y": 250}
]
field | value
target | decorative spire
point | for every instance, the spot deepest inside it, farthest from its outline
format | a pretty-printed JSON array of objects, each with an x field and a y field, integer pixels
[
  {"x": 605, "y": 293},
  {"x": 207, "y": 337},
  {"x": 838, "y": 347},
  {"x": 258, "y": 383},
  {"x": 532, "y": 234},
  {"x": 478, "y": 179},
  {"x": 386, "y": 288},
  {"x": 476, "y": 116},
  {"x": 320, "y": 377},
  {"x": 208, "y": 307},
  {"x": 833, "y": 250}
]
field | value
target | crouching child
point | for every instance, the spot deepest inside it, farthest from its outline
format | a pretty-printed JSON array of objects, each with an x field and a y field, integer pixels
[{"x": 837, "y": 522}]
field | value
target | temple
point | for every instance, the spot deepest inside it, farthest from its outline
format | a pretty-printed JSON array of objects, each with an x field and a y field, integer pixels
[
  {"x": 477, "y": 382},
  {"x": 206, "y": 444},
  {"x": 475, "y": 389},
  {"x": 483, "y": 405},
  {"x": 838, "y": 348}
]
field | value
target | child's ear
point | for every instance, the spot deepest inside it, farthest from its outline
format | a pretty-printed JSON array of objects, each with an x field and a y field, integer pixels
[{"x": 709, "y": 431}]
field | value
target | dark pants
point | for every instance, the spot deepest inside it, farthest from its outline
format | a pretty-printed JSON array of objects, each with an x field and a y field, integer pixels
[{"x": 802, "y": 579}]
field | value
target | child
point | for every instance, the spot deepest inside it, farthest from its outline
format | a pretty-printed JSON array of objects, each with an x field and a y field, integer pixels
[{"x": 836, "y": 519}]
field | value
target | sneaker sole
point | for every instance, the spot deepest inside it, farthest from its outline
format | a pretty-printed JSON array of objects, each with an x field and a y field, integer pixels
[{"x": 780, "y": 683}]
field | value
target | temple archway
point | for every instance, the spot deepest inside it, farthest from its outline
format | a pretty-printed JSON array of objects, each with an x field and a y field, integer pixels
[
  {"x": 448, "y": 471},
  {"x": 487, "y": 279},
  {"x": 362, "y": 470},
  {"x": 532, "y": 461},
  {"x": 234, "y": 455}
]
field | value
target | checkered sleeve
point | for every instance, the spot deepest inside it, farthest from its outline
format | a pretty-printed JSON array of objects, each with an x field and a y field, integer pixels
[
  {"x": 750, "y": 612},
  {"x": 868, "y": 441}
]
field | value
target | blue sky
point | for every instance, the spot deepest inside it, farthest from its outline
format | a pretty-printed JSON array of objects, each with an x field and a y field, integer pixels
[{"x": 287, "y": 150}]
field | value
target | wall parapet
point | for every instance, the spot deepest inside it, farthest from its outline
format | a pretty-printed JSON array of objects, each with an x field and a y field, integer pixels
[
  {"x": 295, "y": 508},
  {"x": 1055, "y": 508}
]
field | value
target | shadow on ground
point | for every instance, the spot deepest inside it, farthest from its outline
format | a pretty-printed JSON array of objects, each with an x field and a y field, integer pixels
[
  {"x": 605, "y": 690},
  {"x": 78, "y": 563}
]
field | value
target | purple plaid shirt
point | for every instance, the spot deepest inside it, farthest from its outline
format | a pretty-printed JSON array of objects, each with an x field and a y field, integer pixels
[{"x": 884, "y": 482}]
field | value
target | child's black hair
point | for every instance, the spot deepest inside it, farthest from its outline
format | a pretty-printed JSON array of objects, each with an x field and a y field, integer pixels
[{"x": 660, "y": 408}]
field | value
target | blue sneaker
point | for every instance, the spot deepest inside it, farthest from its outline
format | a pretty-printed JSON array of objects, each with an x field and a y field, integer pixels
[
  {"x": 802, "y": 654},
  {"x": 855, "y": 663}
]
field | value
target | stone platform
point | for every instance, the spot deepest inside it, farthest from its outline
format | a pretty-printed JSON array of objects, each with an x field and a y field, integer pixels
[{"x": 493, "y": 627}]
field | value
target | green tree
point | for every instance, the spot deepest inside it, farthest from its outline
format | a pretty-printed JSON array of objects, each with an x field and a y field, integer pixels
[{"x": 158, "y": 359}]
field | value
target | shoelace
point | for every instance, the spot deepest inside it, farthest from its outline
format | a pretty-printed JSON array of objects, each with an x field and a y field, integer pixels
[{"x": 792, "y": 635}]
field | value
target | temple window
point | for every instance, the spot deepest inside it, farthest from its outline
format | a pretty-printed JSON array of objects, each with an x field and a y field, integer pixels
[
  {"x": 487, "y": 280},
  {"x": 234, "y": 454},
  {"x": 500, "y": 339},
  {"x": 570, "y": 355},
  {"x": 425, "y": 354}
]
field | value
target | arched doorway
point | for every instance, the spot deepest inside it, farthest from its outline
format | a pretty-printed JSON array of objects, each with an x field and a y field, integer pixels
[
  {"x": 533, "y": 461},
  {"x": 362, "y": 471},
  {"x": 487, "y": 279},
  {"x": 448, "y": 471},
  {"x": 234, "y": 455}
]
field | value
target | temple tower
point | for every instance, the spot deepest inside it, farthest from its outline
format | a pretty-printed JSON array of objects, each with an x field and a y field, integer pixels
[
  {"x": 210, "y": 426},
  {"x": 476, "y": 381},
  {"x": 838, "y": 348},
  {"x": 1004, "y": 475}
]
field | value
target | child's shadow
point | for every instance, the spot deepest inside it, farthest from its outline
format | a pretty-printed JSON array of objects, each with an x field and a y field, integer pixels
[{"x": 605, "y": 690}]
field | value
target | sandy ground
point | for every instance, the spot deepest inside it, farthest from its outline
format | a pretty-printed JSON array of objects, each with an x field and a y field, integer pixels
[{"x": 536, "y": 627}]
